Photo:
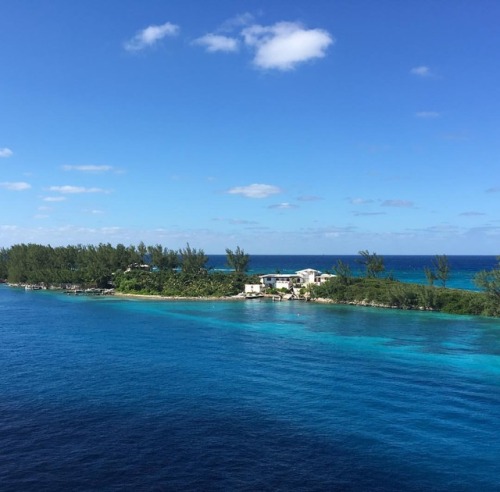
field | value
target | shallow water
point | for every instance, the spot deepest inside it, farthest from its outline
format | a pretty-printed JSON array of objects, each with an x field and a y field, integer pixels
[{"x": 110, "y": 393}]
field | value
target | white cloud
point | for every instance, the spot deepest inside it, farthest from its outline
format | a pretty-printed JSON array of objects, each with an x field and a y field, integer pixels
[
  {"x": 19, "y": 186},
  {"x": 360, "y": 201},
  {"x": 285, "y": 44},
  {"x": 216, "y": 42},
  {"x": 237, "y": 21},
  {"x": 421, "y": 71},
  {"x": 427, "y": 114},
  {"x": 397, "y": 203},
  {"x": 150, "y": 36},
  {"x": 5, "y": 152},
  {"x": 255, "y": 190},
  {"x": 54, "y": 199},
  {"x": 283, "y": 206},
  {"x": 76, "y": 189},
  {"x": 88, "y": 168}
]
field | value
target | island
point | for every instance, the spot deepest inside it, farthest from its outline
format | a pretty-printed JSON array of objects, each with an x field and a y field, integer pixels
[{"x": 158, "y": 271}]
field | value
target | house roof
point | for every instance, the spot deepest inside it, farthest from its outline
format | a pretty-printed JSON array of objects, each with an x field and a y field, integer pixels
[
  {"x": 308, "y": 271},
  {"x": 279, "y": 275}
]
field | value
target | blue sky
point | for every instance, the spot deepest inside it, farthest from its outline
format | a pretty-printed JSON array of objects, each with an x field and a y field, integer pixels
[{"x": 286, "y": 127}]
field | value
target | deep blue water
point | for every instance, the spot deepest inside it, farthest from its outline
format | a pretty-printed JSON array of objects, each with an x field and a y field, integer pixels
[
  {"x": 403, "y": 268},
  {"x": 120, "y": 394}
]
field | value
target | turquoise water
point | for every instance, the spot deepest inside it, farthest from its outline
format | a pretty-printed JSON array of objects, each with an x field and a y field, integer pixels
[{"x": 118, "y": 394}]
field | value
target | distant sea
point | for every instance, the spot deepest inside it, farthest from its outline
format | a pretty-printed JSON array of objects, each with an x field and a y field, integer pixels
[
  {"x": 404, "y": 268},
  {"x": 132, "y": 394}
]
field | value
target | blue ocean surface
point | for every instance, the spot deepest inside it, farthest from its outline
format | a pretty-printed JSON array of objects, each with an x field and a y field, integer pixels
[
  {"x": 133, "y": 394},
  {"x": 405, "y": 268}
]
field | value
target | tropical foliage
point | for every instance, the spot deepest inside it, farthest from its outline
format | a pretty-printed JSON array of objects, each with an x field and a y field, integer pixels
[
  {"x": 373, "y": 263},
  {"x": 238, "y": 260},
  {"x": 391, "y": 293},
  {"x": 142, "y": 269}
]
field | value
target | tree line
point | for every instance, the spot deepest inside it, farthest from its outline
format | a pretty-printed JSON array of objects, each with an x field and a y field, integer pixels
[{"x": 97, "y": 266}]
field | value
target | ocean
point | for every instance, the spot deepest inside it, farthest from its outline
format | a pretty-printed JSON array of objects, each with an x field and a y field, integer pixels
[{"x": 111, "y": 393}]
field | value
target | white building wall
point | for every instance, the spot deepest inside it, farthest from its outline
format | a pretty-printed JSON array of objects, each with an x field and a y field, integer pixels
[{"x": 253, "y": 288}]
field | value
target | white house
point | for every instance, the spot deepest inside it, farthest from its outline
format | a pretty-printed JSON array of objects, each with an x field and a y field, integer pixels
[
  {"x": 299, "y": 279},
  {"x": 311, "y": 276},
  {"x": 280, "y": 280}
]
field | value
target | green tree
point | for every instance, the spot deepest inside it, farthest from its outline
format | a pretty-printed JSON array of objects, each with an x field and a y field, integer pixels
[
  {"x": 343, "y": 272},
  {"x": 4, "y": 257},
  {"x": 430, "y": 275},
  {"x": 142, "y": 250},
  {"x": 163, "y": 258},
  {"x": 442, "y": 269},
  {"x": 489, "y": 281},
  {"x": 374, "y": 264},
  {"x": 193, "y": 261},
  {"x": 238, "y": 260}
]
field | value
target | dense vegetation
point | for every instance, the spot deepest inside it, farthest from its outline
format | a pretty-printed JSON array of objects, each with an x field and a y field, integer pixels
[
  {"x": 373, "y": 290},
  {"x": 391, "y": 293},
  {"x": 157, "y": 270},
  {"x": 142, "y": 269}
]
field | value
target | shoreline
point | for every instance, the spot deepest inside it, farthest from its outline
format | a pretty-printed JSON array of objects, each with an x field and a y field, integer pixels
[
  {"x": 319, "y": 300},
  {"x": 158, "y": 297}
]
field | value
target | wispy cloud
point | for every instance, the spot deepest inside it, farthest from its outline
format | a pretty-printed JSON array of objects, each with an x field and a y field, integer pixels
[
  {"x": 495, "y": 189},
  {"x": 88, "y": 168},
  {"x": 360, "y": 201},
  {"x": 237, "y": 21},
  {"x": 216, "y": 42},
  {"x": 17, "y": 186},
  {"x": 68, "y": 189},
  {"x": 284, "y": 45},
  {"x": 283, "y": 206},
  {"x": 255, "y": 190},
  {"x": 397, "y": 203},
  {"x": 54, "y": 199},
  {"x": 427, "y": 114},
  {"x": 150, "y": 36},
  {"x": 5, "y": 152},
  {"x": 422, "y": 71}
]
